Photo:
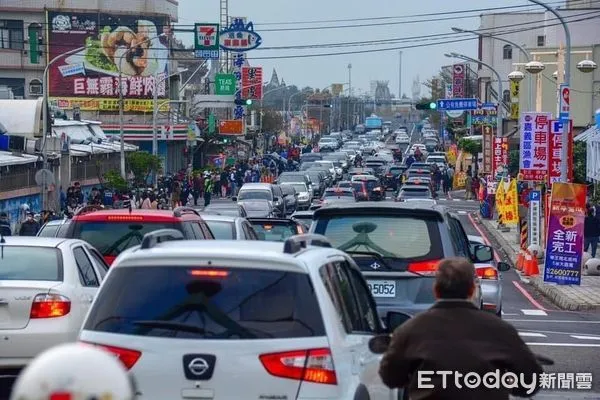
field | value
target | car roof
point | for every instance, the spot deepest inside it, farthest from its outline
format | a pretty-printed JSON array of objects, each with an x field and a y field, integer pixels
[
  {"x": 36, "y": 241},
  {"x": 265, "y": 254},
  {"x": 256, "y": 185},
  {"x": 383, "y": 208},
  {"x": 303, "y": 213},
  {"x": 273, "y": 221},
  {"x": 220, "y": 218},
  {"x": 415, "y": 187},
  {"x": 339, "y": 189},
  {"x": 125, "y": 214}
]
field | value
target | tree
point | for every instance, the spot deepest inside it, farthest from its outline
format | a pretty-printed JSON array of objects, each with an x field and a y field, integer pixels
[
  {"x": 114, "y": 181},
  {"x": 141, "y": 163},
  {"x": 272, "y": 121},
  {"x": 469, "y": 146},
  {"x": 579, "y": 162}
]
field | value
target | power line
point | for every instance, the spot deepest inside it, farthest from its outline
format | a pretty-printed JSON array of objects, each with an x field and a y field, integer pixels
[{"x": 528, "y": 7}]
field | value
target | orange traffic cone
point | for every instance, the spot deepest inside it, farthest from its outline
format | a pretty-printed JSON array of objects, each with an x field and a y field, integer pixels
[{"x": 531, "y": 266}]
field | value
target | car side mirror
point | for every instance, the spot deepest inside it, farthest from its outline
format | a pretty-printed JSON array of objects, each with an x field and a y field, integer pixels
[
  {"x": 394, "y": 319},
  {"x": 483, "y": 253},
  {"x": 234, "y": 198},
  {"x": 380, "y": 343},
  {"x": 503, "y": 266}
]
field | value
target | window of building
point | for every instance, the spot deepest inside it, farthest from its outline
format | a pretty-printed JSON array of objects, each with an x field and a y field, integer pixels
[
  {"x": 541, "y": 40},
  {"x": 11, "y": 34},
  {"x": 507, "y": 52}
]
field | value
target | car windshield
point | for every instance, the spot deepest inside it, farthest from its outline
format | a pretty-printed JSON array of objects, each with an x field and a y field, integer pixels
[
  {"x": 255, "y": 194},
  {"x": 222, "y": 230},
  {"x": 396, "y": 171},
  {"x": 111, "y": 238},
  {"x": 257, "y": 206},
  {"x": 398, "y": 237},
  {"x": 299, "y": 187},
  {"x": 274, "y": 232},
  {"x": 215, "y": 304},
  {"x": 28, "y": 263},
  {"x": 415, "y": 192},
  {"x": 340, "y": 193}
]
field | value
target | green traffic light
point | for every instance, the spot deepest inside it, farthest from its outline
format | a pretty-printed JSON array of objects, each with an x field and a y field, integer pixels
[
  {"x": 432, "y": 106},
  {"x": 249, "y": 102}
]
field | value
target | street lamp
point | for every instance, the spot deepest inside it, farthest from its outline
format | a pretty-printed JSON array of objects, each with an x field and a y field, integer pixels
[
  {"x": 586, "y": 66},
  {"x": 121, "y": 99},
  {"x": 499, "y": 127},
  {"x": 45, "y": 117},
  {"x": 516, "y": 76},
  {"x": 500, "y": 39}
]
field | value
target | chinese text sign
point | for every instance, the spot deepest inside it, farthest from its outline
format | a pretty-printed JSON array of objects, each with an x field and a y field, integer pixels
[
  {"x": 555, "y": 144},
  {"x": 487, "y": 149},
  {"x": 252, "y": 83},
  {"x": 458, "y": 80},
  {"x": 535, "y": 129},
  {"x": 500, "y": 154},
  {"x": 564, "y": 244}
]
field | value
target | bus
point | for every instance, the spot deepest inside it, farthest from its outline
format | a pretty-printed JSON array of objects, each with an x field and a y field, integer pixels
[{"x": 373, "y": 122}]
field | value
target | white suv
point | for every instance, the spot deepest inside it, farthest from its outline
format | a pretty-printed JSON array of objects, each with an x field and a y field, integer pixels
[{"x": 239, "y": 320}]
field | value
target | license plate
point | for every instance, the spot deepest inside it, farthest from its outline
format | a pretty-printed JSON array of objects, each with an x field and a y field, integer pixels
[{"x": 382, "y": 288}]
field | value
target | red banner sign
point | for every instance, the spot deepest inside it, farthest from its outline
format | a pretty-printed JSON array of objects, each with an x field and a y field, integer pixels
[
  {"x": 500, "y": 156},
  {"x": 535, "y": 130},
  {"x": 252, "y": 83},
  {"x": 458, "y": 80}
]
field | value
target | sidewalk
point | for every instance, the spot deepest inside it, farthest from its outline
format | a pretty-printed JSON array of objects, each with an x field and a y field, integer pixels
[{"x": 567, "y": 297}]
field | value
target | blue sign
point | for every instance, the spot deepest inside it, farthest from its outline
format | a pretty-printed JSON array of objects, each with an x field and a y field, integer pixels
[
  {"x": 207, "y": 54},
  {"x": 535, "y": 195},
  {"x": 239, "y": 37},
  {"x": 598, "y": 118},
  {"x": 489, "y": 106},
  {"x": 457, "y": 104}
]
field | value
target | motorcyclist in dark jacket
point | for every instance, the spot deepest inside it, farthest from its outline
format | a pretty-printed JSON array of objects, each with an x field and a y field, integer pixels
[
  {"x": 5, "y": 229},
  {"x": 29, "y": 227}
]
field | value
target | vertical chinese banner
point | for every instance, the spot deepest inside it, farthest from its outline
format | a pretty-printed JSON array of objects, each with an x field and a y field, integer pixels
[
  {"x": 535, "y": 128},
  {"x": 514, "y": 100},
  {"x": 511, "y": 204},
  {"x": 239, "y": 59},
  {"x": 555, "y": 143},
  {"x": 564, "y": 246},
  {"x": 252, "y": 83},
  {"x": 458, "y": 81},
  {"x": 500, "y": 155},
  {"x": 487, "y": 149}
]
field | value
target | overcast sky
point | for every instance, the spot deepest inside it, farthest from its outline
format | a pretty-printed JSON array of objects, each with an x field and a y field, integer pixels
[{"x": 420, "y": 59}]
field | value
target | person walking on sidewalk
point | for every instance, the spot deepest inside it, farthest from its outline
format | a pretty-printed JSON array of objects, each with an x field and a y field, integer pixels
[
  {"x": 468, "y": 189},
  {"x": 591, "y": 231}
]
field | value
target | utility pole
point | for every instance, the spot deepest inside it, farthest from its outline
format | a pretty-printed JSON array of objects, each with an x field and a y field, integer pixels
[
  {"x": 400, "y": 76},
  {"x": 349, "y": 95}
]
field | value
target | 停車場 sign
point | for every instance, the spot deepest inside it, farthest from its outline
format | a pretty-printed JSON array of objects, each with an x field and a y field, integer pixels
[
  {"x": 225, "y": 84},
  {"x": 206, "y": 41},
  {"x": 239, "y": 37},
  {"x": 535, "y": 128}
]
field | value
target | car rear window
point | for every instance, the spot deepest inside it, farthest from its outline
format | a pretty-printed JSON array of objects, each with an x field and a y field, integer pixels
[
  {"x": 395, "y": 171},
  {"x": 111, "y": 238},
  {"x": 255, "y": 194},
  {"x": 221, "y": 230},
  {"x": 395, "y": 236},
  {"x": 223, "y": 303},
  {"x": 274, "y": 232},
  {"x": 28, "y": 263},
  {"x": 341, "y": 193},
  {"x": 48, "y": 230}
]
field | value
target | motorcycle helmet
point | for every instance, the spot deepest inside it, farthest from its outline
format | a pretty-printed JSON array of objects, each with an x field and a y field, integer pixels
[{"x": 71, "y": 371}]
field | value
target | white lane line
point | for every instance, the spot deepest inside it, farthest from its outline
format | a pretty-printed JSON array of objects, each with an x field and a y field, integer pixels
[
  {"x": 534, "y": 312},
  {"x": 553, "y": 321},
  {"x": 461, "y": 212},
  {"x": 503, "y": 313},
  {"x": 585, "y": 337},
  {"x": 563, "y": 344},
  {"x": 531, "y": 334}
]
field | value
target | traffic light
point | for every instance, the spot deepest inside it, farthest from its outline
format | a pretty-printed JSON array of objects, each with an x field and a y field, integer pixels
[
  {"x": 243, "y": 102},
  {"x": 426, "y": 106},
  {"x": 327, "y": 106}
]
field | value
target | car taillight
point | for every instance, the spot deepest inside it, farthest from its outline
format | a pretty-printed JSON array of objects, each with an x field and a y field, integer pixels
[
  {"x": 49, "y": 306},
  {"x": 424, "y": 267},
  {"x": 313, "y": 365},
  {"x": 211, "y": 273},
  {"x": 389, "y": 175},
  {"x": 126, "y": 356},
  {"x": 487, "y": 273}
]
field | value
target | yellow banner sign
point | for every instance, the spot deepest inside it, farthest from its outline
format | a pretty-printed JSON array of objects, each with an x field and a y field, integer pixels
[
  {"x": 514, "y": 100},
  {"x": 510, "y": 208},
  {"x": 95, "y": 104}
]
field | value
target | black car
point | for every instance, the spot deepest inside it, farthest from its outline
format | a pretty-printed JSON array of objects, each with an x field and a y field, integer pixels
[
  {"x": 391, "y": 176},
  {"x": 398, "y": 247},
  {"x": 377, "y": 164}
]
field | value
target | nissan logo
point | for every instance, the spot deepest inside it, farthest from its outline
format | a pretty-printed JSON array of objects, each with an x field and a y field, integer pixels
[{"x": 198, "y": 366}]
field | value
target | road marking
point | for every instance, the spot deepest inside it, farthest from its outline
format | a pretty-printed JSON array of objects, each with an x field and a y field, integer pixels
[
  {"x": 530, "y": 298},
  {"x": 585, "y": 337},
  {"x": 553, "y": 321},
  {"x": 537, "y": 312},
  {"x": 563, "y": 344},
  {"x": 461, "y": 212},
  {"x": 503, "y": 313},
  {"x": 531, "y": 334}
]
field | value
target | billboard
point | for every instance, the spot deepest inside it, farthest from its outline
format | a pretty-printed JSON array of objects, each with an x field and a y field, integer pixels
[
  {"x": 458, "y": 80},
  {"x": 91, "y": 51}
]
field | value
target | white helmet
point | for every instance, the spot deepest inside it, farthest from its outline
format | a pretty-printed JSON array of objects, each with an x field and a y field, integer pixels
[{"x": 70, "y": 371}]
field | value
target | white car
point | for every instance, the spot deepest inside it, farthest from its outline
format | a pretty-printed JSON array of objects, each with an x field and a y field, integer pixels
[
  {"x": 47, "y": 286},
  {"x": 402, "y": 139},
  {"x": 239, "y": 320},
  {"x": 337, "y": 173}
]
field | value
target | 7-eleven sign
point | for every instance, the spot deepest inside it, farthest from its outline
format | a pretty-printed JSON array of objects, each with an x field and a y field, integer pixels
[{"x": 206, "y": 37}]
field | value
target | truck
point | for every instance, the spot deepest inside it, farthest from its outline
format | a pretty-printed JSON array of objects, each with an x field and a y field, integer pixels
[{"x": 373, "y": 122}]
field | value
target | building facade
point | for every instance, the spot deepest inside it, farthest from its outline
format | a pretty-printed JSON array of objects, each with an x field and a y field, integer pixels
[
  {"x": 34, "y": 32},
  {"x": 541, "y": 41}
]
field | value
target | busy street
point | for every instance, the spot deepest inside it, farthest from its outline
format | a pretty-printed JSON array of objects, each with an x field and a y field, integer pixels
[{"x": 226, "y": 200}]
